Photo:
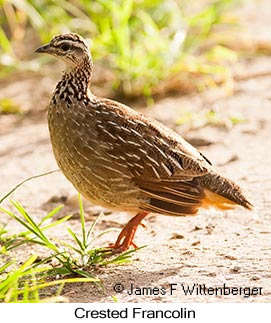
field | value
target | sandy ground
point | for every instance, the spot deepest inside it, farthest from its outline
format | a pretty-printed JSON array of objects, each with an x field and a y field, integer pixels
[{"x": 212, "y": 248}]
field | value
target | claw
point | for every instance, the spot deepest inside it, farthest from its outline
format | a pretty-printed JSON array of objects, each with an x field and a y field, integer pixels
[{"x": 125, "y": 238}]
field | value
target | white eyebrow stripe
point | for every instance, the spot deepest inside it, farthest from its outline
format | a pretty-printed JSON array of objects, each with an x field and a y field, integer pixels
[{"x": 75, "y": 43}]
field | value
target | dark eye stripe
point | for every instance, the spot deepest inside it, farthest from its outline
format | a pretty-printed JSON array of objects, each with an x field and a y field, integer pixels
[
  {"x": 63, "y": 44},
  {"x": 71, "y": 46},
  {"x": 71, "y": 43}
]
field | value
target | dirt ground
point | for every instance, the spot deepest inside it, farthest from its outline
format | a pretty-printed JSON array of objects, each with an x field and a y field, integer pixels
[{"x": 212, "y": 248}]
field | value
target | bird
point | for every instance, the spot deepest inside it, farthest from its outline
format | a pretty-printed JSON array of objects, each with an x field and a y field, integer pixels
[{"x": 121, "y": 159}]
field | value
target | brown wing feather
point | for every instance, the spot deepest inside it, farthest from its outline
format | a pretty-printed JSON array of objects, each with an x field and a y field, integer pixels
[
  {"x": 147, "y": 148},
  {"x": 171, "y": 198}
]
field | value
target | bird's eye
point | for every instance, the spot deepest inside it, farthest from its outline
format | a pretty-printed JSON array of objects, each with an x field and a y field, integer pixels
[{"x": 65, "y": 47}]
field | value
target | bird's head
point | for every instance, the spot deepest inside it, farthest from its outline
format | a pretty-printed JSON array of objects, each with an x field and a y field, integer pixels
[{"x": 70, "y": 48}]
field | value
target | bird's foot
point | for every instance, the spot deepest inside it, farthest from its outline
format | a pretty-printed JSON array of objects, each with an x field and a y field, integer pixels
[
  {"x": 121, "y": 248},
  {"x": 125, "y": 238}
]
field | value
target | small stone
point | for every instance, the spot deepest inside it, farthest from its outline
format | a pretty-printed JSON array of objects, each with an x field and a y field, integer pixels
[
  {"x": 210, "y": 228},
  {"x": 188, "y": 252},
  {"x": 230, "y": 257},
  {"x": 195, "y": 243},
  {"x": 176, "y": 236},
  {"x": 197, "y": 228},
  {"x": 235, "y": 269}
]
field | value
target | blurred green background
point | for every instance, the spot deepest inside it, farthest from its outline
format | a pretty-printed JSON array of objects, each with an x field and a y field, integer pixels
[{"x": 148, "y": 47}]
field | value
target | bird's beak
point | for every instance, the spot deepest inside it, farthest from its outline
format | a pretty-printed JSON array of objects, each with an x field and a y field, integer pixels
[{"x": 44, "y": 49}]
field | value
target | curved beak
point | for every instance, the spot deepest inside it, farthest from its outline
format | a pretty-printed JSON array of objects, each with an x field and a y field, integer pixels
[{"x": 44, "y": 49}]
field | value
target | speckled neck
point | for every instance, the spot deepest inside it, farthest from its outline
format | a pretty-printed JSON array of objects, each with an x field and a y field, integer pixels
[{"x": 74, "y": 83}]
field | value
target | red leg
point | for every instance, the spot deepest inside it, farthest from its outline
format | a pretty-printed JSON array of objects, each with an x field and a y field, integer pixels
[{"x": 125, "y": 238}]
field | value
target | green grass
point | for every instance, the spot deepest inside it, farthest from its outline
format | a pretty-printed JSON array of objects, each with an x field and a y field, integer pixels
[
  {"x": 7, "y": 106},
  {"x": 144, "y": 42},
  {"x": 68, "y": 261},
  {"x": 208, "y": 117},
  {"x": 25, "y": 283}
]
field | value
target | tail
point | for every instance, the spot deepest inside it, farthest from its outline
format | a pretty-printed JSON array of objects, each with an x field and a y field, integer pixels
[{"x": 222, "y": 193}]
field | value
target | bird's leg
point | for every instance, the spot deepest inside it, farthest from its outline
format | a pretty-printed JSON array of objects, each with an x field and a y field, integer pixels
[{"x": 125, "y": 238}]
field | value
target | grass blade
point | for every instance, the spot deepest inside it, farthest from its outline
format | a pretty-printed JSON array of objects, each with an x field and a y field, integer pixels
[
  {"x": 4, "y": 267},
  {"x": 90, "y": 231},
  {"x": 51, "y": 214},
  {"x": 24, "y": 181},
  {"x": 76, "y": 239},
  {"x": 82, "y": 217},
  {"x": 51, "y": 225},
  {"x": 34, "y": 226}
]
